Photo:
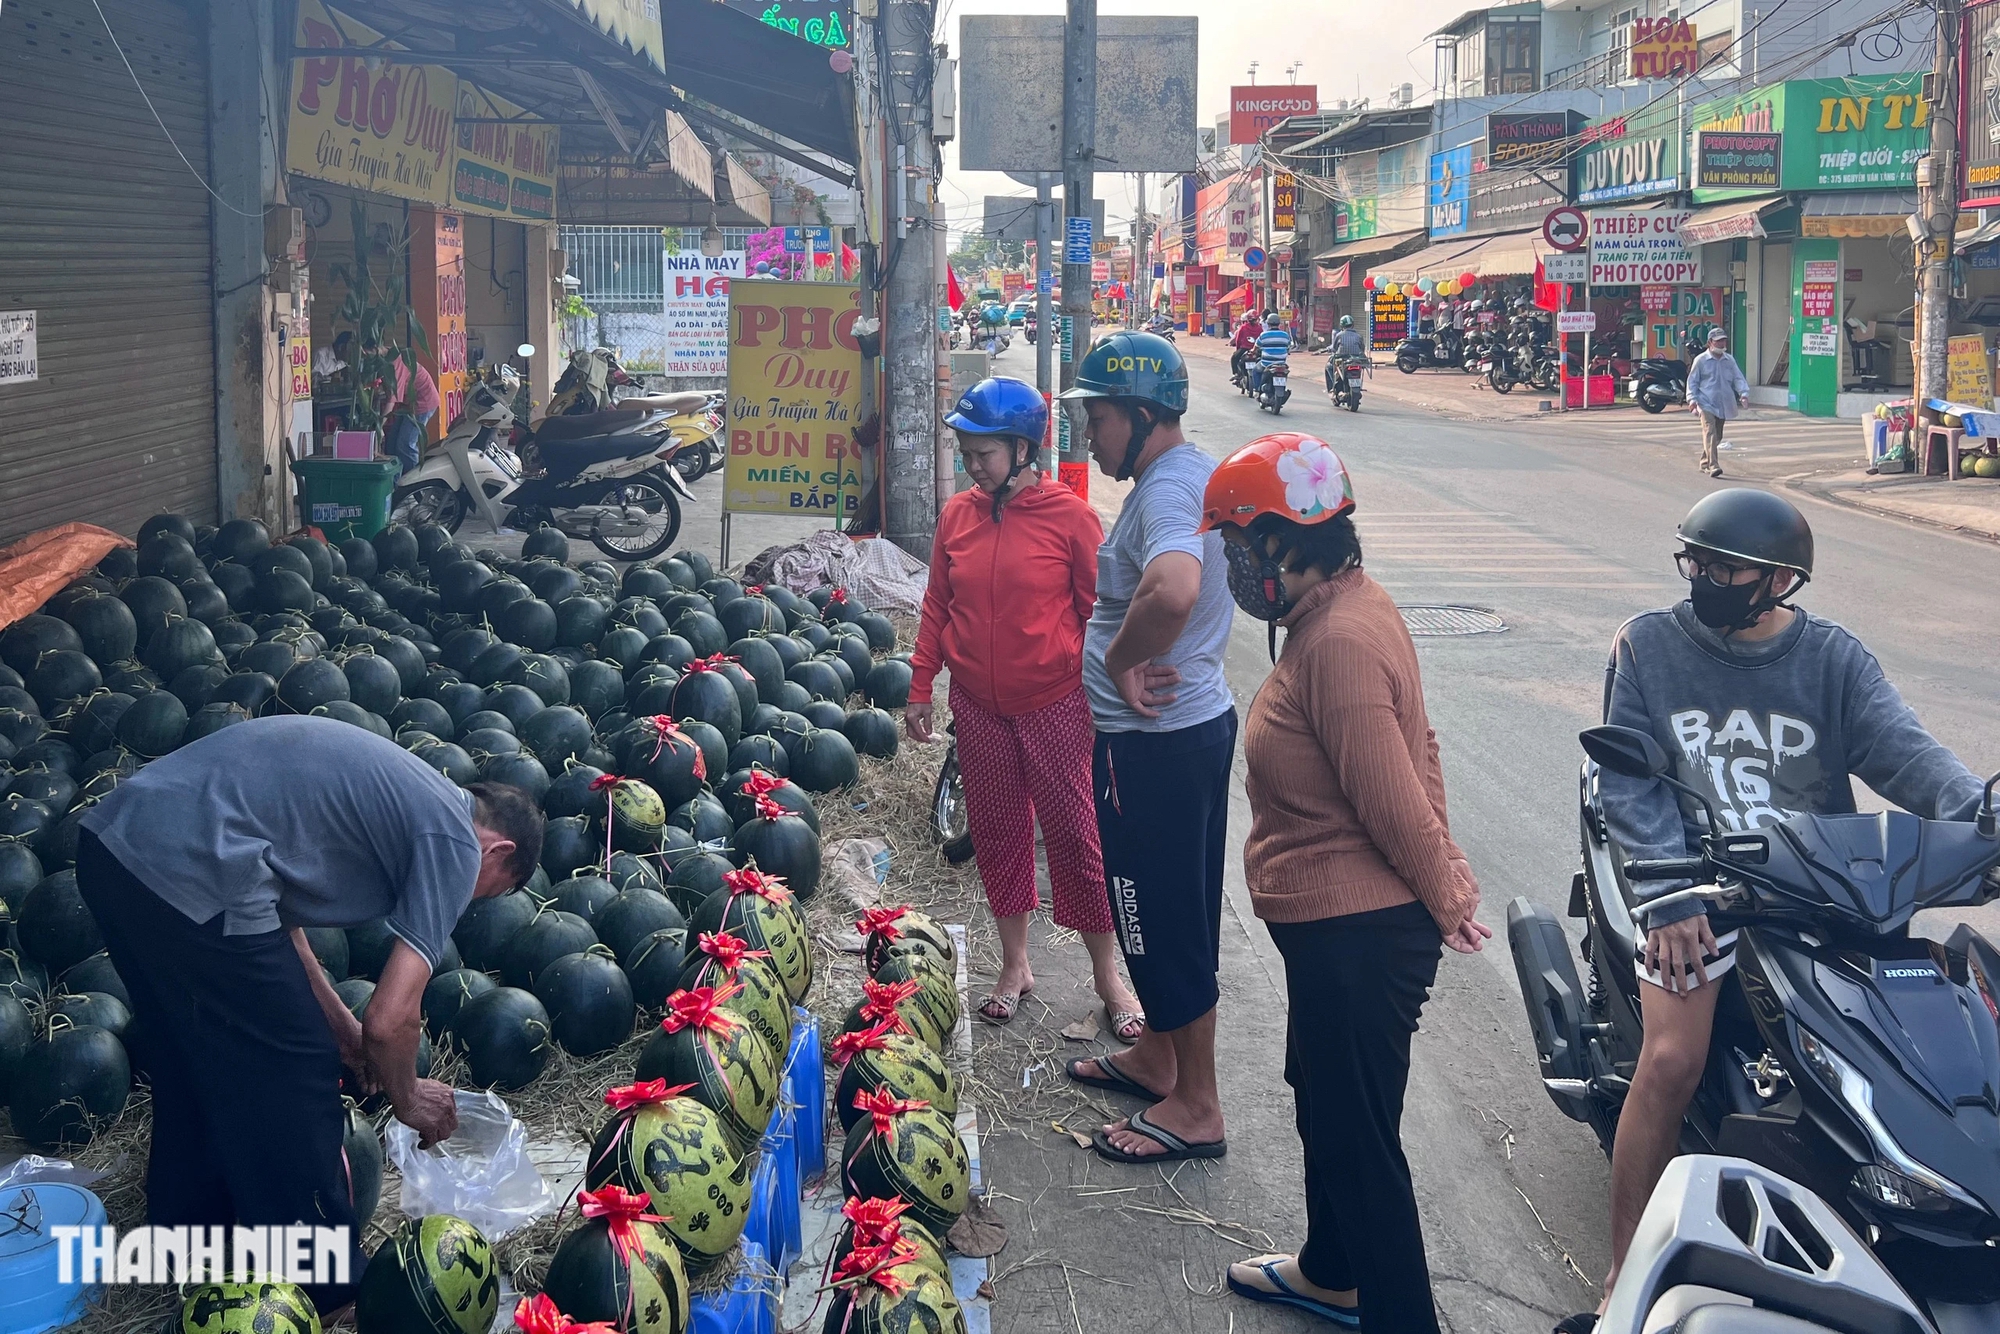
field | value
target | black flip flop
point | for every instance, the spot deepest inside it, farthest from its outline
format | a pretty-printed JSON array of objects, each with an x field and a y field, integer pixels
[
  {"x": 1283, "y": 1294},
  {"x": 1177, "y": 1149},
  {"x": 1112, "y": 1078}
]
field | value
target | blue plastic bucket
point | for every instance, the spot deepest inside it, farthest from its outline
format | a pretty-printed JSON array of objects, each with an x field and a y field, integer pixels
[
  {"x": 750, "y": 1306},
  {"x": 31, "y": 1300},
  {"x": 805, "y": 1084}
]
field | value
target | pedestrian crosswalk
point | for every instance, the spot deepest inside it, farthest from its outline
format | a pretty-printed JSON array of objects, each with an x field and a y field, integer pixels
[{"x": 1467, "y": 550}]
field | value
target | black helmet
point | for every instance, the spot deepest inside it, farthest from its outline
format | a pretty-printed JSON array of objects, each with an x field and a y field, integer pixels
[{"x": 1751, "y": 525}]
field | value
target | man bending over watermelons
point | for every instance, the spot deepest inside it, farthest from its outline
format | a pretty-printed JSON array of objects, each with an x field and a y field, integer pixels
[{"x": 202, "y": 870}]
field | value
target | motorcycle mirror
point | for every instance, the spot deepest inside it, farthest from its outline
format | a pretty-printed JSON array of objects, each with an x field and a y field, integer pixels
[
  {"x": 525, "y": 350},
  {"x": 1624, "y": 750},
  {"x": 1987, "y": 824}
]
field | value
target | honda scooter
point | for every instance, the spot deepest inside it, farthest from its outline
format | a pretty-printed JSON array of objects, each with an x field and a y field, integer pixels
[
  {"x": 1343, "y": 381},
  {"x": 1272, "y": 386},
  {"x": 606, "y": 476},
  {"x": 1860, "y": 1061}
]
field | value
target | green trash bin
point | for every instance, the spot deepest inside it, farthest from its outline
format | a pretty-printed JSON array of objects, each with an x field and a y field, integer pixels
[{"x": 346, "y": 498}]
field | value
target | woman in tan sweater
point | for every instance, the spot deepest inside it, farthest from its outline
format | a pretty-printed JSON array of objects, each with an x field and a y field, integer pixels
[{"x": 1352, "y": 868}]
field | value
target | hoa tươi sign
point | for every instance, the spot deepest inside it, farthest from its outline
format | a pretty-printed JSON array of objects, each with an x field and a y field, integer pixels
[
  {"x": 1638, "y": 246},
  {"x": 1664, "y": 49}
]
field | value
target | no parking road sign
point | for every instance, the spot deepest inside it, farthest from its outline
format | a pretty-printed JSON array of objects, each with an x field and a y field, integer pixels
[{"x": 1566, "y": 229}]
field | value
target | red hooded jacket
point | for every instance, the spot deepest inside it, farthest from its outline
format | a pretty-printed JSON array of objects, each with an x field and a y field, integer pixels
[{"x": 1008, "y": 601}]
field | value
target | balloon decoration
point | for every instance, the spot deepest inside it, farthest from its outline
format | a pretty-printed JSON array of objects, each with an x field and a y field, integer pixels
[
  {"x": 1368, "y": 284},
  {"x": 1467, "y": 279},
  {"x": 1393, "y": 289},
  {"x": 1447, "y": 288},
  {"x": 1426, "y": 285}
]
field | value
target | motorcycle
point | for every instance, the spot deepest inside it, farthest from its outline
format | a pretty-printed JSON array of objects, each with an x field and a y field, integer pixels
[
  {"x": 606, "y": 476},
  {"x": 1343, "y": 382},
  {"x": 1659, "y": 381},
  {"x": 588, "y": 383},
  {"x": 1162, "y": 325},
  {"x": 1848, "y": 1049},
  {"x": 948, "y": 820},
  {"x": 1273, "y": 386},
  {"x": 1420, "y": 350},
  {"x": 699, "y": 435},
  {"x": 1726, "y": 1246},
  {"x": 1031, "y": 326}
]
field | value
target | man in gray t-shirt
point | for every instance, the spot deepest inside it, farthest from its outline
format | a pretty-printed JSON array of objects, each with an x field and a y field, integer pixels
[
  {"x": 1166, "y": 732},
  {"x": 202, "y": 871}
]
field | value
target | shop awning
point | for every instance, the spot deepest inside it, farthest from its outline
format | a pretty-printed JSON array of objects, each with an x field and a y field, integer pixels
[
  {"x": 1727, "y": 222},
  {"x": 1438, "y": 260},
  {"x": 1239, "y": 293},
  {"x": 1366, "y": 246},
  {"x": 1857, "y": 213},
  {"x": 1508, "y": 255},
  {"x": 1977, "y": 237}
]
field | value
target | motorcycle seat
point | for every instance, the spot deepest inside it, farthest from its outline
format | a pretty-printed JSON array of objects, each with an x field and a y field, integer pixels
[
  {"x": 582, "y": 425},
  {"x": 566, "y": 458},
  {"x": 691, "y": 401},
  {"x": 1728, "y": 1318}
]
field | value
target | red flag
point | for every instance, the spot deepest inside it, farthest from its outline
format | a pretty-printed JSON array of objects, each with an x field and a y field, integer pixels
[{"x": 954, "y": 294}]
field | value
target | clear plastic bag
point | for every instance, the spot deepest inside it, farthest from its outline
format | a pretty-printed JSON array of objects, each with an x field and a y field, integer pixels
[
  {"x": 33, "y": 1169},
  {"x": 482, "y": 1173}
]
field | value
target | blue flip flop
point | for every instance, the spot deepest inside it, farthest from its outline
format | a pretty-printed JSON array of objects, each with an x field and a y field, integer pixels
[
  {"x": 1177, "y": 1149},
  {"x": 1347, "y": 1317},
  {"x": 1109, "y": 1077}
]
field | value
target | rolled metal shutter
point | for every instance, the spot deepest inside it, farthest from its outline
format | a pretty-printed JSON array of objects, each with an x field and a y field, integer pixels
[{"x": 104, "y": 234}]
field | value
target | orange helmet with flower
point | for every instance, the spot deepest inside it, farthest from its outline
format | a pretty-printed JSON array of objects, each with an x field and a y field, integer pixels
[{"x": 1289, "y": 474}]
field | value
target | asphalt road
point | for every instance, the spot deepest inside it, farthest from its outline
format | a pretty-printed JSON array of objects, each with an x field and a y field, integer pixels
[{"x": 1564, "y": 528}]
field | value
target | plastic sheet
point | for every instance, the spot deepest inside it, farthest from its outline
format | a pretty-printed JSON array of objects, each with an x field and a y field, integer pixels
[
  {"x": 482, "y": 1173},
  {"x": 32, "y": 1169}
]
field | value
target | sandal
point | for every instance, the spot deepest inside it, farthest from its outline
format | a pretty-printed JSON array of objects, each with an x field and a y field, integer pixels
[
  {"x": 1124, "y": 1020},
  {"x": 1177, "y": 1149},
  {"x": 1110, "y": 1077},
  {"x": 1348, "y": 1317},
  {"x": 1006, "y": 1003}
]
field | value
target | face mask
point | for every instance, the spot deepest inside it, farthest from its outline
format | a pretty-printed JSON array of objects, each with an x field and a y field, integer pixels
[
  {"x": 1255, "y": 583},
  {"x": 1727, "y": 606}
]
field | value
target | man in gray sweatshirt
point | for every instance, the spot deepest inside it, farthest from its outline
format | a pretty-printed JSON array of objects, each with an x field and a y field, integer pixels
[{"x": 1769, "y": 712}]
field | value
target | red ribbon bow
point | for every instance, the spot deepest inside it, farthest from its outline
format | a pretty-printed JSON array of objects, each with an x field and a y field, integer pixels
[
  {"x": 666, "y": 734},
  {"x": 762, "y": 781},
  {"x": 728, "y": 950},
  {"x": 753, "y": 590},
  {"x": 882, "y": 922},
  {"x": 872, "y": 1264},
  {"x": 539, "y": 1315},
  {"x": 707, "y": 664},
  {"x": 602, "y": 781},
  {"x": 838, "y": 595},
  {"x": 878, "y": 1220},
  {"x": 715, "y": 660},
  {"x": 768, "y": 809},
  {"x": 849, "y": 1045},
  {"x": 884, "y": 998},
  {"x": 883, "y": 1105},
  {"x": 700, "y": 1008},
  {"x": 753, "y": 881},
  {"x": 620, "y": 1210},
  {"x": 627, "y": 1096}
]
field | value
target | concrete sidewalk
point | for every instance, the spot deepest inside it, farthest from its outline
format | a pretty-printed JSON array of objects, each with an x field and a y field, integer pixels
[{"x": 1822, "y": 457}]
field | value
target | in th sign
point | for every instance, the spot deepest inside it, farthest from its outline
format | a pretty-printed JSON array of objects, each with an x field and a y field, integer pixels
[{"x": 1632, "y": 247}]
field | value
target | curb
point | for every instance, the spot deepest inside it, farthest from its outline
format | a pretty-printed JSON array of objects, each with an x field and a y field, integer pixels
[{"x": 1802, "y": 483}]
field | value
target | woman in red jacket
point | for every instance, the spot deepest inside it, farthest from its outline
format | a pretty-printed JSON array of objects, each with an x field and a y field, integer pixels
[{"x": 1013, "y": 577}]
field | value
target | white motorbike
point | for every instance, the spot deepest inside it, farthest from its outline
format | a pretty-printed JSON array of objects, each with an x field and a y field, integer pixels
[{"x": 605, "y": 476}]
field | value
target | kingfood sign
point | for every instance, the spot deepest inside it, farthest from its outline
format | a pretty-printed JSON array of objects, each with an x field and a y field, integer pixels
[{"x": 1254, "y": 109}]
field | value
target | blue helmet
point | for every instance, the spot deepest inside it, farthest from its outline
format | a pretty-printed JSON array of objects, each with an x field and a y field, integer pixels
[{"x": 1001, "y": 405}]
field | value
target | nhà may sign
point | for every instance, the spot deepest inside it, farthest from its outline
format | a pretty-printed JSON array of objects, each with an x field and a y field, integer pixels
[{"x": 1664, "y": 49}]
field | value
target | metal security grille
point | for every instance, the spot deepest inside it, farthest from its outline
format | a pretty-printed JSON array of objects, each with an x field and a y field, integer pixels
[
  {"x": 623, "y": 287},
  {"x": 1450, "y": 620},
  {"x": 105, "y": 236}
]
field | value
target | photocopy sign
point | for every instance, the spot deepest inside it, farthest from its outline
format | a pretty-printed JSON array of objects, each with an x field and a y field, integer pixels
[
  {"x": 1633, "y": 246},
  {"x": 17, "y": 347},
  {"x": 1011, "y": 68},
  {"x": 697, "y": 311}
]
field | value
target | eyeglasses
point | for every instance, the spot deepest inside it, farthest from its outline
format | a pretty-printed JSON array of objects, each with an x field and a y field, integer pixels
[{"x": 1718, "y": 572}]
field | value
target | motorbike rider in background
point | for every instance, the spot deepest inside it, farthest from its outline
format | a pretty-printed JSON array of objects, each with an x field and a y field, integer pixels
[
  {"x": 1274, "y": 345},
  {"x": 1347, "y": 347},
  {"x": 1769, "y": 712},
  {"x": 1245, "y": 341}
]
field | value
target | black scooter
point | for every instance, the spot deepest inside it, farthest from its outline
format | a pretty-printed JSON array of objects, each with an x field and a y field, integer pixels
[
  {"x": 1857, "y": 1060},
  {"x": 1659, "y": 381},
  {"x": 1442, "y": 348}
]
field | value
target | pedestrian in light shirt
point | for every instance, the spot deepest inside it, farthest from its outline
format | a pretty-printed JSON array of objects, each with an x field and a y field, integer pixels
[{"x": 1716, "y": 390}]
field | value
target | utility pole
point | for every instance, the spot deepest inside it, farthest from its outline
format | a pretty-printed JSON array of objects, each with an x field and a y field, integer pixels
[
  {"x": 1045, "y": 240},
  {"x": 1937, "y": 207},
  {"x": 1079, "y": 132},
  {"x": 1142, "y": 263},
  {"x": 910, "y": 343}
]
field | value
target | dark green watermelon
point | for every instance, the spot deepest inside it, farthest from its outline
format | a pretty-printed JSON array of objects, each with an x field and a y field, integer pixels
[
  {"x": 871, "y": 732},
  {"x": 582, "y": 895},
  {"x": 589, "y": 1000},
  {"x": 540, "y": 943},
  {"x": 68, "y": 1086},
  {"x": 653, "y": 964},
  {"x": 55, "y": 926},
  {"x": 447, "y": 994},
  {"x": 825, "y": 762},
  {"x": 154, "y": 725},
  {"x": 487, "y": 925},
  {"x": 783, "y": 846},
  {"x": 505, "y": 1034}
]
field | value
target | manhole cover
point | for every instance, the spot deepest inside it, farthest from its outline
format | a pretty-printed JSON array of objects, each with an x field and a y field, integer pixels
[{"x": 1448, "y": 619}]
